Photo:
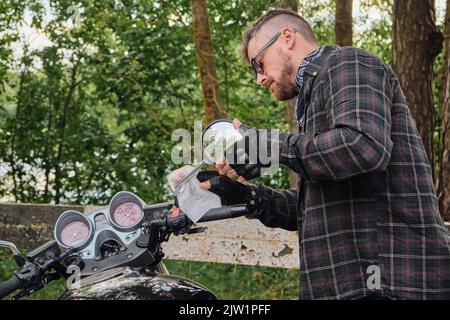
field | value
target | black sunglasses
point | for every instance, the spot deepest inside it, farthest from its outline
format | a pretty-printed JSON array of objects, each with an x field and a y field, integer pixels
[{"x": 258, "y": 65}]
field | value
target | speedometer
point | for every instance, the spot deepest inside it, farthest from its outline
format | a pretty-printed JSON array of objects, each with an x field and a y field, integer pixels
[
  {"x": 74, "y": 233},
  {"x": 73, "y": 230}
]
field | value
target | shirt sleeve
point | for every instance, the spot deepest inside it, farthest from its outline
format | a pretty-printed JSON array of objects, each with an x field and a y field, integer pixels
[{"x": 358, "y": 97}]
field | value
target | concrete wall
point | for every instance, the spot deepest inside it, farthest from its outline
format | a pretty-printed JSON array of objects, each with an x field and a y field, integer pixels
[
  {"x": 236, "y": 241},
  {"x": 30, "y": 225}
]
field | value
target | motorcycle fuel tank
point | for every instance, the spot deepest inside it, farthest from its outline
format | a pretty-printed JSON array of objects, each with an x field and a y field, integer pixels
[{"x": 137, "y": 284}]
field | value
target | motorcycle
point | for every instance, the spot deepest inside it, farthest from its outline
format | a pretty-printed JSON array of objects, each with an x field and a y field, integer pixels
[{"x": 115, "y": 251}]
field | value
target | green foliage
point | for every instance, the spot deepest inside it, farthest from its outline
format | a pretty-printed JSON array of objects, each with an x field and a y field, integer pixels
[
  {"x": 239, "y": 282},
  {"x": 376, "y": 25},
  {"x": 92, "y": 113}
]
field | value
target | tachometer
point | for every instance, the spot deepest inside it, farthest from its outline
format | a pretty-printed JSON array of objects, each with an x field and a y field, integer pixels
[
  {"x": 126, "y": 211},
  {"x": 127, "y": 214}
]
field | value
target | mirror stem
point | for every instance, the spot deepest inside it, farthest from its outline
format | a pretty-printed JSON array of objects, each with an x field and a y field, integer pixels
[
  {"x": 194, "y": 172},
  {"x": 18, "y": 257}
]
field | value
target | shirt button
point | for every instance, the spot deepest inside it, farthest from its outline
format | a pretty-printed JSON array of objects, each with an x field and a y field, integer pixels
[
  {"x": 252, "y": 202},
  {"x": 314, "y": 73}
]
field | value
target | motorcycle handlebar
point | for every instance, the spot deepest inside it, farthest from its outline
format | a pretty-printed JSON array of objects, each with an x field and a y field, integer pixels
[
  {"x": 225, "y": 213},
  {"x": 9, "y": 286}
]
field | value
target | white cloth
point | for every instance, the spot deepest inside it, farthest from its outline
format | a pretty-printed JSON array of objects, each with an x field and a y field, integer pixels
[{"x": 193, "y": 200}]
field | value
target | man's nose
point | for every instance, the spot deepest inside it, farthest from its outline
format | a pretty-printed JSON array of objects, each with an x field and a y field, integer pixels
[{"x": 260, "y": 79}]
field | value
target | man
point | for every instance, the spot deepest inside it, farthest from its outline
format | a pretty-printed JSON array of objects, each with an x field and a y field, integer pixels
[{"x": 365, "y": 207}]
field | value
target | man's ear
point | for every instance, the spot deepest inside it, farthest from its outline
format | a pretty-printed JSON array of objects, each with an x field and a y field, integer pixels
[{"x": 288, "y": 36}]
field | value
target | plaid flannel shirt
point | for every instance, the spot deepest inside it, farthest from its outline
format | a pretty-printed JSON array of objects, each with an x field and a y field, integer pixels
[{"x": 365, "y": 200}]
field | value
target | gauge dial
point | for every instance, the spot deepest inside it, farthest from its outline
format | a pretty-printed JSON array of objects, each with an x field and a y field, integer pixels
[
  {"x": 127, "y": 214},
  {"x": 74, "y": 233}
]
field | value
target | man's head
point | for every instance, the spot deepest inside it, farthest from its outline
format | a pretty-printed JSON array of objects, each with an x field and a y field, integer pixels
[{"x": 275, "y": 44}]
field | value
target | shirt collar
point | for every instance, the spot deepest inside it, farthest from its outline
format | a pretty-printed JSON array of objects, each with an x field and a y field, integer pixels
[{"x": 311, "y": 64}]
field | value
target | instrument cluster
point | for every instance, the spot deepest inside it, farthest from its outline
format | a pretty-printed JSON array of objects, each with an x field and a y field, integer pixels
[{"x": 104, "y": 232}]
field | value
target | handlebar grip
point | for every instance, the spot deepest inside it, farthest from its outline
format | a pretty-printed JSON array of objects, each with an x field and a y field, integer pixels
[
  {"x": 9, "y": 286},
  {"x": 225, "y": 213}
]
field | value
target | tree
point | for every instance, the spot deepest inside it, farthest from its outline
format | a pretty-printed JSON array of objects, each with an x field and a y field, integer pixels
[
  {"x": 343, "y": 22},
  {"x": 443, "y": 177},
  {"x": 91, "y": 113},
  {"x": 291, "y": 117},
  {"x": 206, "y": 61},
  {"x": 416, "y": 43},
  {"x": 376, "y": 37}
]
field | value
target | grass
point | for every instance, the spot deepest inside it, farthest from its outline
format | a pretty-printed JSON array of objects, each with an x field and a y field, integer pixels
[
  {"x": 239, "y": 282},
  {"x": 225, "y": 280}
]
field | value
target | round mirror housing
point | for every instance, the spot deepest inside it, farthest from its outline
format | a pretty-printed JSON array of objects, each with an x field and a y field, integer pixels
[{"x": 217, "y": 137}]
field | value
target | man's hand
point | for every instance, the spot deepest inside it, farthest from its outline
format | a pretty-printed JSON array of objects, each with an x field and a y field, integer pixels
[
  {"x": 230, "y": 191},
  {"x": 246, "y": 158},
  {"x": 223, "y": 166}
]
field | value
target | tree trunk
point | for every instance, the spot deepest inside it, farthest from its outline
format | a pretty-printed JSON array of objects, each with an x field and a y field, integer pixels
[
  {"x": 443, "y": 177},
  {"x": 343, "y": 22},
  {"x": 48, "y": 149},
  {"x": 416, "y": 42},
  {"x": 290, "y": 105},
  {"x": 62, "y": 133},
  {"x": 15, "y": 172},
  {"x": 206, "y": 62},
  {"x": 288, "y": 4}
]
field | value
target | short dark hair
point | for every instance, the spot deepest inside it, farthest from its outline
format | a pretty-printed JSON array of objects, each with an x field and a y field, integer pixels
[{"x": 290, "y": 18}]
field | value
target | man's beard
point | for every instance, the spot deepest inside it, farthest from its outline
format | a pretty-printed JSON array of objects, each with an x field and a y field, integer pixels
[{"x": 286, "y": 86}]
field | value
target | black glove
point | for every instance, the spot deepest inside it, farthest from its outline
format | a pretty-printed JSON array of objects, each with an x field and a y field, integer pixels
[
  {"x": 253, "y": 152},
  {"x": 230, "y": 191}
]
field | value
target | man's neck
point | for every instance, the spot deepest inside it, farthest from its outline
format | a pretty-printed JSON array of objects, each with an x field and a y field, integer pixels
[{"x": 298, "y": 58}]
